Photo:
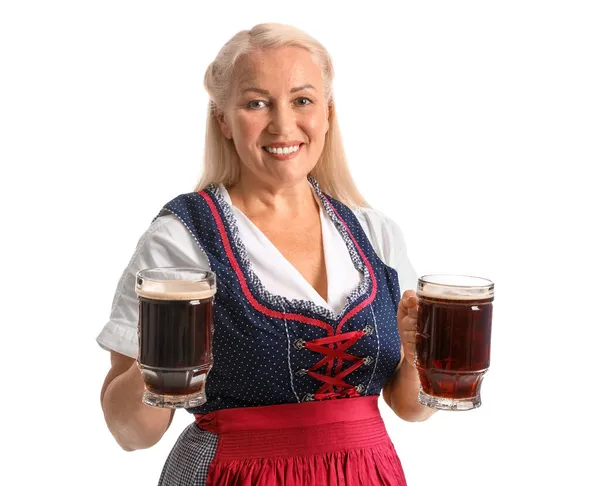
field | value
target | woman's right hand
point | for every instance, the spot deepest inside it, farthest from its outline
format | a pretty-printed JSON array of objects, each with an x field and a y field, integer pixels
[{"x": 133, "y": 424}]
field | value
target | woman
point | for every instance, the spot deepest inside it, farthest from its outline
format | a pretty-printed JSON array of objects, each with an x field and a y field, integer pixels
[{"x": 309, "y": 320}]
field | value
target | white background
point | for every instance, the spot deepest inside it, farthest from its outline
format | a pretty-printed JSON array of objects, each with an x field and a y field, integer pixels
[{"x": 474, "y": 124}]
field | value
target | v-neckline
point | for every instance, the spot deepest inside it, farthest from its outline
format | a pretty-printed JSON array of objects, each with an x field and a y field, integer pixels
[
  {"x": 315, "y": 295},
  {"x": 224, "y": 200}
]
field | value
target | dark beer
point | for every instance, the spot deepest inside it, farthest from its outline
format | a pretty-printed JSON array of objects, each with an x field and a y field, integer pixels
[
  {"x": 175, "y": 339},
  {"x": 175, "y": 329},
  {"x": 453, "y": 346}
]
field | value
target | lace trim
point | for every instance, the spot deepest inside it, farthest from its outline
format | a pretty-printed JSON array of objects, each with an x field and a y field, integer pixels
[{"x": 278, "y": 300}]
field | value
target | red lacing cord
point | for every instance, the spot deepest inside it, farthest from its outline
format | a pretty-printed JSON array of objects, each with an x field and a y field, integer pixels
[{"x": 334, "y": 386}]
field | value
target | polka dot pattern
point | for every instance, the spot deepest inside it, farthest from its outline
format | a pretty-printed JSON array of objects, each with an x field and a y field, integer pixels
[{"x": 258, "y": 354}]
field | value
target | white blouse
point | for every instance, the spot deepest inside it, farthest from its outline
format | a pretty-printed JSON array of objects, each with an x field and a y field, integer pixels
[{"x": 168, "y": 243}]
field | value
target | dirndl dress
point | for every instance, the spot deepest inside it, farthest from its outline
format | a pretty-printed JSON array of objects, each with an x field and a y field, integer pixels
[{"x": 292, "y": 394}]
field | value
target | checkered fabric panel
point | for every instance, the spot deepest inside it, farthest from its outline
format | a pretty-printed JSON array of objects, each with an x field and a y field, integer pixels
[{"x": 190, "y": 458}]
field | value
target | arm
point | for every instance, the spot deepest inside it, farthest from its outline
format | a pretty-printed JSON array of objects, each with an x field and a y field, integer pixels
[
  {"x": 402, "y": 390},
  {"x": 133, "y": 424},
  {"x": 167, "y": 243}
]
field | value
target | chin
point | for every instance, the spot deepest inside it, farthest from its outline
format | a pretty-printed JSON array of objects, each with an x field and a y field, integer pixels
[{"x": 290, "y": 178}]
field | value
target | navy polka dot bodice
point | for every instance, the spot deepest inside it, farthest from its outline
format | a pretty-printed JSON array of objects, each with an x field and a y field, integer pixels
[{"x": 272, "y": 350}]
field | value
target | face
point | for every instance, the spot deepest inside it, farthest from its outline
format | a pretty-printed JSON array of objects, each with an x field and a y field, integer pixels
[{"x": 277, "y": 115}]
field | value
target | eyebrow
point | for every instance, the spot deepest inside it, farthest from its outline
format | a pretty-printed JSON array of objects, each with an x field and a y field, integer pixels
[{"x": 293, "y": 90}]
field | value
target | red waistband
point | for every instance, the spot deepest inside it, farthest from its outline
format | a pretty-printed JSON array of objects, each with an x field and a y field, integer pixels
[
  {"x": 288, "y": 416},
  {"x": 299, "y": 430}
]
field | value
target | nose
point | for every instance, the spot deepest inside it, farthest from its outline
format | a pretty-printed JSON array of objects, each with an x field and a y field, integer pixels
[{"x": 283, "y": 120}]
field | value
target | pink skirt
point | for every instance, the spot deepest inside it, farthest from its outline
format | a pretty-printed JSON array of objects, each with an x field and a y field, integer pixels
[{"x": 328, "y": 443}]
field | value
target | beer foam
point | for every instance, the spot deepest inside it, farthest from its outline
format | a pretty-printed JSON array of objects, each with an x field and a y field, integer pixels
[
  {"x": 175, "y": 290},
  {"x": 437, "y": 292},
  {"x": 455, "y": 287}
]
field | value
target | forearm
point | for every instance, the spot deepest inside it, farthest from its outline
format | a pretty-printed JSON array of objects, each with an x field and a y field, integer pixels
[
  {"x": 133, "y": 424},
  {"x": 402, "y": 393}
]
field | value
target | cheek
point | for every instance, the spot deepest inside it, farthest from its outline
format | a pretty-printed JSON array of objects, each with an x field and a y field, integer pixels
[
  {"x": 317, "y": 126},
  {"x": 248, "y": 131}
]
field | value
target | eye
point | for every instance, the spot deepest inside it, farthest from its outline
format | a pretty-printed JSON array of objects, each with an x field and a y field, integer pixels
[
  {"x": 256, "y": 104},
  {"x": 303, "y": 101}
]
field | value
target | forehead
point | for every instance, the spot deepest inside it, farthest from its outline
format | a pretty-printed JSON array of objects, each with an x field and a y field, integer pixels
[{"x": 281, "y": 68}]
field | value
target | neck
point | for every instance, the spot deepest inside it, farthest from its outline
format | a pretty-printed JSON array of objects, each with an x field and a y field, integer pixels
[{"x": 288, "y": 201}]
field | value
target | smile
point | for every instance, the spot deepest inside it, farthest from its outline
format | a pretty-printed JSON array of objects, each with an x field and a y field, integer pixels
[
  {"x": 283, "y": 153},
  {"x": 283, "y": 150}
]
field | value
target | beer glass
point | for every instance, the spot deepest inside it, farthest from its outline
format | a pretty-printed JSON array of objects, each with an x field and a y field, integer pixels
[
  {"x": 175, "y": 330},
  {"x": 454, "y": 327}
]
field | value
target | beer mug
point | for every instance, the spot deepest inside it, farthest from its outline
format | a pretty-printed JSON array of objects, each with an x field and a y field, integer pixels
[
  {"x": 175, "y": 330},
  {"x": 454, "y": 329}
]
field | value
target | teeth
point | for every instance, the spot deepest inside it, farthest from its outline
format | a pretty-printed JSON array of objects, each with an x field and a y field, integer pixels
[{"x": 284, "y": 150}]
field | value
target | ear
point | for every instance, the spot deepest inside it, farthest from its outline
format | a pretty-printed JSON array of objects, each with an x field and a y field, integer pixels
[{"x": 225, "y": 127}]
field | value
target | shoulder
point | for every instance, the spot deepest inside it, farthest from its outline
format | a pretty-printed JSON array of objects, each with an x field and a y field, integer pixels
[
  {"x": 381, "y": 230},
  {"x": 167, "y": 242},
  {"x": 387, "y": 239},
  {"x": 165, "y": 227},
  {"x": 173, "y": 217}
]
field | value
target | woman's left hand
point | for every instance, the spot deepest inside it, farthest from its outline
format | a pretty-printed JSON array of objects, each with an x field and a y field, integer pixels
[{"x": 407, "y": 324}]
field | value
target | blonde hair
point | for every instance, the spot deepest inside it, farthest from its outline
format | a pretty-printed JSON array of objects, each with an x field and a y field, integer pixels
[{"x": 221, "y": 161}]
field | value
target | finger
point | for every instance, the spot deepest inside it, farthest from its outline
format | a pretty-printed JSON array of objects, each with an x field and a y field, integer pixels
[
  {"x": 408, "y": 352},
  {"x": 407, "y": 324},
  {"x": 407, "y": 312},
  {"x": 403, "y": 311},
  {"x": 409, "y": 337},
  {"x": 409, "y": 299}
]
